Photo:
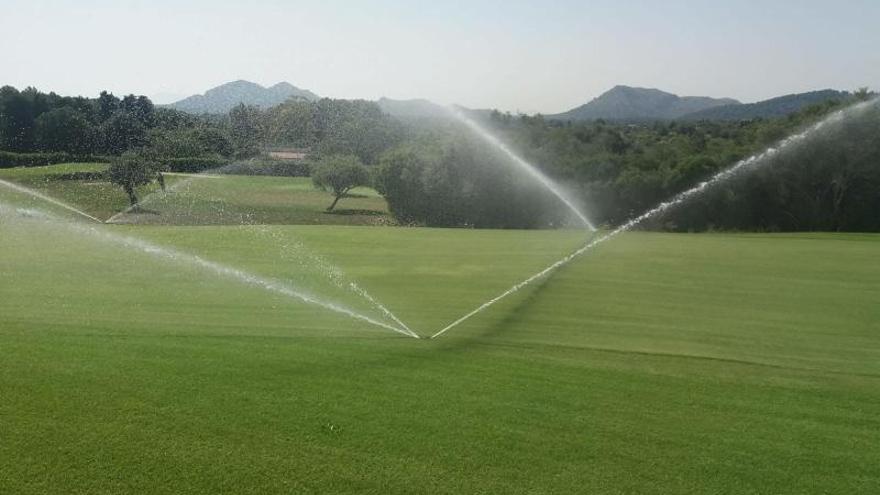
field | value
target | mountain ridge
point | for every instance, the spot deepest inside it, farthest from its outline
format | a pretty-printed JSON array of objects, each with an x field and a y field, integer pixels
[
  {"x": 627, "y": 103},
  {"x": 772, "y": 107},
  {"x": 222, "y": 98}
]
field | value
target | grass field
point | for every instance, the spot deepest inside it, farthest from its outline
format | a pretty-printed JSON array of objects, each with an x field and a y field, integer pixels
[
  {"x": 659, "y": 363},
  {"x": 237, "y": 199},
  {"x": 210, "y": 199}
]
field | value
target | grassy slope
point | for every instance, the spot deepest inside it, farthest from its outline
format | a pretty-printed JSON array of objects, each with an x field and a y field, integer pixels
[
  {"x": 661, "y": 363},
  {"x": 98, "y": 198},
  {"x": 233, "y": 199},
  {"x": 229, "y": 199}
]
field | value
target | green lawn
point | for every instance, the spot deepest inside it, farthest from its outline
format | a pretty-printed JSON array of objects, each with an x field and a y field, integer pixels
[
  {"x": 95, "y": 197},
  {"x": 238, "y": 199},
  {"x": 208, "y": 199},
  {"x": 657, "y": 364}
]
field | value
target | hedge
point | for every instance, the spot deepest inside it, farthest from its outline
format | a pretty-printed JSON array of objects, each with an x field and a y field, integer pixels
[
  {"x": 9, "y": 159},
  {"x": 285, "y": 168},
  {"x": 194, "y": 165}
]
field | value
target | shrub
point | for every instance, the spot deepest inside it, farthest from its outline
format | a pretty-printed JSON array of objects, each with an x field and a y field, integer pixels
[
  {"x": 194, "y": 165},
  {"x": 10, "y": 159}
]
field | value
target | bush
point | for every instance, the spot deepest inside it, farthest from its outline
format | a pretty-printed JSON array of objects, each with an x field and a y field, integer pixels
[
  {"x": 193, "y": 165},
  {"x": 93, "y": 176},
  {"x": 9, "y": 159},
  {"x": 278, "y": 168}
]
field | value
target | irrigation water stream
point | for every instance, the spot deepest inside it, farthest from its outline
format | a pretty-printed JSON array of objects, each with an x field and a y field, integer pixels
[{"x": 739, "y": 167}]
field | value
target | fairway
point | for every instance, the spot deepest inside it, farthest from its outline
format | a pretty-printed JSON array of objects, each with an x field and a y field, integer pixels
[
  {"x": 610, "y": 248},
  {"x": 194, "y": 199},
  {"x": 658, "y": 363}
]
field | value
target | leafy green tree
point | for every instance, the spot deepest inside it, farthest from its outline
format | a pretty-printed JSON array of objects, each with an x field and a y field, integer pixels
[
  {"x": 64, "y": 129},
  {"x": 292, "y": 124},
  {"x": 863, "y": 94},
  {"x": 132, "y": 170},
  {"x": 246, "y": 130},
  {"x": 339, "y": 174},
  {"x": 123, "y": 131}
]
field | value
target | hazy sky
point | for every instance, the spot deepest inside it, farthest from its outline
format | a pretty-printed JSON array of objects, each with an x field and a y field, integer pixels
[{"x": 545, "y": 56}]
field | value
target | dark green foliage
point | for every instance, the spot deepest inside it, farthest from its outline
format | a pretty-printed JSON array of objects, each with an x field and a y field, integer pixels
[
  {"x": 123, "y": 131},
  {"x": 184, "y": 142},
  {"x": 832, "y": 182},
  {"x": 194, "y": 164},
  {"x": 260, "y": 166},
  {"x": 79, "y": 175},
  {"x": 452, "y": 181},
  {"x": 246, "y": 130},
  {"x": 64, "y": 129},
  {"x": 333, "y": 127},
  {"x": 33, "y": 121},
  {"x": 9, "y": 159},
  {"x": 339, "y": 174}
]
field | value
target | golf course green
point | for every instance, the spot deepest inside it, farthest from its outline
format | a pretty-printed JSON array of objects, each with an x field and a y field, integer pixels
[{"x": 656, "y": 363}]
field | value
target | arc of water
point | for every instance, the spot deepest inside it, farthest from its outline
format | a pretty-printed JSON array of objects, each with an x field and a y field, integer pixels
[
  {"x": 217, "y": 268},
  {"x": 523, "y": 165},
  {"x": 173, "y": 187},
  {"x": 189, "y": 178},
  {"x": 37, "y": 194},
  {"x": 387, "y": 312},
  {"x": 724, "y": 175}
]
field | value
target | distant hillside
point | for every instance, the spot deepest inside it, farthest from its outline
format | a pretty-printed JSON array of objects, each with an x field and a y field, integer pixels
[
  {"x": 624, "y": 103},
  {"x": 226, "y": 96},
  {"x": 418, "y": 108},
  {"x": 774, "y": 107}
]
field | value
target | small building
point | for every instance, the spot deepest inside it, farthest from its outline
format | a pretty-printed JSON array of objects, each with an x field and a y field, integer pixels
[{"x": 289, "y": 153}]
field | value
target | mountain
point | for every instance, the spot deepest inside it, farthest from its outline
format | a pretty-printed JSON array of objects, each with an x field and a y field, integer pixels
[
  {"x": 226, "y": 96},
  {"x": 418, "y": 108},
  {"x": 625, "y": 103},
  {"x": 774, "y": 107}
]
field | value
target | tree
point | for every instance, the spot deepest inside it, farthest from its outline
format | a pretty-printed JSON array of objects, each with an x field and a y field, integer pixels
[
  {"x": 123, "y": 131},
  {"x": 132, "y": 170},
  {"x": 246, "y": 130},
  {"x": 17, "y": 114},
  {"x": 863, "y": 94},
  {"x": 63, "y": 129},
  {"x": 339, "y": 174}
]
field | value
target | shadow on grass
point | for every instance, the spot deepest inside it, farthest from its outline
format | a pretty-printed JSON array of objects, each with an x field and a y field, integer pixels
[
  {"x": 371, "y": 213},
  {"x": 519, "y": 311},
  {"x": 140, "y": 210}
]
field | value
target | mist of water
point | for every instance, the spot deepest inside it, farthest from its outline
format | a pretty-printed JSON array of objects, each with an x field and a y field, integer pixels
[
  {"x": 215, "y": 268},
  {"x": 725, "y": 175},
  {"x": 303, "y": 256},
  {"x": 176, "y": 186},
  {"x": 522, "y": 164},
  {"x": 335, "y": 275},
  {"x": 48, "y": 199}
]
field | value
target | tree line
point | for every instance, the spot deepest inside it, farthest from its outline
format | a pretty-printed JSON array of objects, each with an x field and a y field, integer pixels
[
  {"x": 436, "y": 173},
  {"x": 830, "y": 182}
]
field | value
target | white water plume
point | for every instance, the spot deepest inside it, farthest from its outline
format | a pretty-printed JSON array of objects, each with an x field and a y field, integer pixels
[
  {"x": 37, "y": 194},
  {"x": 155, "y": 194},
  {"x": 210, "y": 266},
  {"x": 331, "y": 272},
  {"x": 306, "y": 258},
  {"x": 527, "y": 167},
  {"x": 739, "y": 167}
]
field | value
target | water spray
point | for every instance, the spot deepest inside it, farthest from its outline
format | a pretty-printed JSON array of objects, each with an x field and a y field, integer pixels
[
  {"x": 36, "y": 194},
  {"x": 211, "y": 266},
  {"x": 523, "y": 165},
  {"x": 738, "y": 167},
  {"x": 334, "y": 271}
]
